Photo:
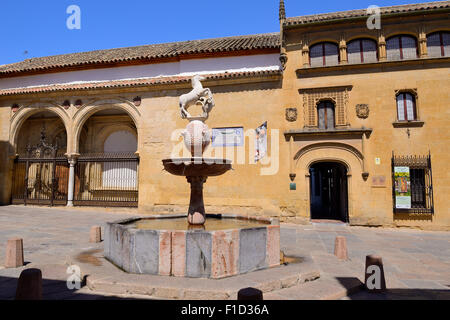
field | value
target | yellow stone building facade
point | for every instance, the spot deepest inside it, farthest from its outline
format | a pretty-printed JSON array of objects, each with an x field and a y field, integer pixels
[{"x": 345, "y": 106}]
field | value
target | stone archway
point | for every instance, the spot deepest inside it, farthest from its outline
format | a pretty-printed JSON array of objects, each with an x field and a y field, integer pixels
[
  {"x": 107, "y": 163},
  {"x": 343, "y": 154},
  {"x": 24, "y": 113},
  {"x": 86, "y": 112}
]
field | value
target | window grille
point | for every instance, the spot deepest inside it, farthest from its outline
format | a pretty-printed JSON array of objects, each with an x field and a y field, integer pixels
[{"x": 417, "y": 184}]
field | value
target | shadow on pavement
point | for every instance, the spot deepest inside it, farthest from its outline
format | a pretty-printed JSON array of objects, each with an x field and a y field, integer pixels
[
  {"x": 357, "y": 292},
  {"x": 52, "y": 290}
]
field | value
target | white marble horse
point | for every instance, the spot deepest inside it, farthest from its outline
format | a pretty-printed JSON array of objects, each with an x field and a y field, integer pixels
[{"x": 197, "y": 95}]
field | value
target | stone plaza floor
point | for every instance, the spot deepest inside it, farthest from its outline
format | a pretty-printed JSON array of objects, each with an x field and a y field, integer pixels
[{"x": 416, "y": 263}]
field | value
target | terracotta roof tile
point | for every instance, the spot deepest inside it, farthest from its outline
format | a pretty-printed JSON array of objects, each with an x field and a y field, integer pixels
[
  {"x": 408, "y": 8},
  {"x": 135, "y": 82},
  {"x": 147, "y": 52}
]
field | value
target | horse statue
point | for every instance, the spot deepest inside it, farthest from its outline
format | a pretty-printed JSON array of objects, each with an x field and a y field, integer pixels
[{"x": 198, "y": 95}]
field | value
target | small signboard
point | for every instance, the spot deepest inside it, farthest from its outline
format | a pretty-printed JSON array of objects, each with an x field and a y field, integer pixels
[
  {"x": 402, "y": 188},
  {"x": 228, "y": 137},
  {"x": 261, "y": 142}
]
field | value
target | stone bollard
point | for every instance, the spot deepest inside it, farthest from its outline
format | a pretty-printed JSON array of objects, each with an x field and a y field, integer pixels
[
  {"x": 95, "y": 234},
  {"x": 340, "y": 248},
  {"x": 29, "y": 286},
  {"x": 250, "y": 294},
  {"x": 374, "y": 278},
  {"x": 14, "y": 253}
]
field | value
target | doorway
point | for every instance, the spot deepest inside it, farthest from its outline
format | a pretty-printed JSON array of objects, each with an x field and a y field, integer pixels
[{"x": 329, "y": 191}]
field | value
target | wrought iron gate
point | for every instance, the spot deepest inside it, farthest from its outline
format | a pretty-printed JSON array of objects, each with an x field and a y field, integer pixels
[
  {"x": 40, "y": 177},
  {"x": 109, "y": 180}
]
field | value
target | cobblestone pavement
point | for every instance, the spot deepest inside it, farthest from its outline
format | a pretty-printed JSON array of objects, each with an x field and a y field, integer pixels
[{"x": 416, "y": 263}]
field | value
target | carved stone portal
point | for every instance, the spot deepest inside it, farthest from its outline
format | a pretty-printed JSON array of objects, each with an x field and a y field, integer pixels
[
  {"x": 362, "y": 111},
  {"x": 291, "y": 114}
]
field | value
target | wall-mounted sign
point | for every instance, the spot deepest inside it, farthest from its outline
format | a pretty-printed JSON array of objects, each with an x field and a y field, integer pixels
[
  {"x": 261, "y": 142},
  {"x": 377, "y": 161},
  {"x": 228, "y": 137},
  {"x": 379, "y": 181},
  {"x": 402, "y": 188}
]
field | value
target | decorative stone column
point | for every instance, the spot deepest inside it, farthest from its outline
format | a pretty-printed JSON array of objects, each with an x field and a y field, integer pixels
[
  {"x": 423, "y": 49},
  {"x": 72, "y": 159},
  {"x": 343, "y": 52},
  {"x": 382, "y": 56},
  {"x": 305, "y": 55}
]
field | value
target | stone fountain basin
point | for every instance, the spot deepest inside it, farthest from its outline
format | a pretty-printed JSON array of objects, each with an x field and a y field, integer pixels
[
  {"x": 206, "y": 167},
  {"x": 195, "y": 253}
]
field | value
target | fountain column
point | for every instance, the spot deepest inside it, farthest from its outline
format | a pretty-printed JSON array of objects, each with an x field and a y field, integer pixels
[{"x": 196, "y": 213}]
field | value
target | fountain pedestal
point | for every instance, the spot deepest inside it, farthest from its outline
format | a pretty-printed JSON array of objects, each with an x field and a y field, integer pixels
[{"x": 196, "y": 213}]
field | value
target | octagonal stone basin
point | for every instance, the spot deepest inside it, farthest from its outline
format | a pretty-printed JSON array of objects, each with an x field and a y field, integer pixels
[{"x": 165, "y": 245}]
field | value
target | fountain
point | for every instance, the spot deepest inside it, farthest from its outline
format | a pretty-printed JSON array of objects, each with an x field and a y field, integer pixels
[{"x": 209, "y": 246}]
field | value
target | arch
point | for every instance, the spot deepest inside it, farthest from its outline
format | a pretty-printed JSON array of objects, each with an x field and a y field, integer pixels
[
  {"x": 401, "y": 33},
  {"x": 24, "y": 113},
  {"x": 362, "y": 36},
  {"x": 323, "y": 40},
  {"x": 438, "y": 29},
  {"x": 331, "y": 159},
  {"x": 331, "y": 145},
  {"x": 106, "y": 132},
  {"x": 84, "y": 113}
]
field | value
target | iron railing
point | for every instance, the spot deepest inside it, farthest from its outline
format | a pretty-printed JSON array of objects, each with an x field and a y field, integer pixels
[
  {"x": 107, "y": 179},
  {"x": 42, "y": 181}
]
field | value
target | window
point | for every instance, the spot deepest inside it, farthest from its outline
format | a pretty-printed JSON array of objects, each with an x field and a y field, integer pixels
[
  {"x": 324, "y": 54},
  {"x": 406, "y": 107},
  {"x": 325, "y": 111},
  {"x": 362, "y": 51},
  {"x": 438, "y": 44},
  {"x": 401, "y": 48},
  {"x": 413, "y": 184}
]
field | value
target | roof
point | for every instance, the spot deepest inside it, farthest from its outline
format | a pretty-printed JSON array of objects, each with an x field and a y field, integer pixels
[
  {"x": 138, "y": 82},
  {"x": 362, "y": 13},
  {"x": 146, "y": 52}
]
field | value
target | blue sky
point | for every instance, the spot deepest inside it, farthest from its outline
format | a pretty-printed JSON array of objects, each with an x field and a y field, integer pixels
[{"x": 38, "y": 28}]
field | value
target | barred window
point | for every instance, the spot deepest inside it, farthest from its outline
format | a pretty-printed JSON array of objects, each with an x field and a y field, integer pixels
[
  {"x": 362, "y": 51},
  {"x": 406, "y": 107},
  {"x": 324, "y": 54},
  {"x": 401, "y": 48},
  {"x": 412, "y": 184},
  {"x": 438, "y": 44}
]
